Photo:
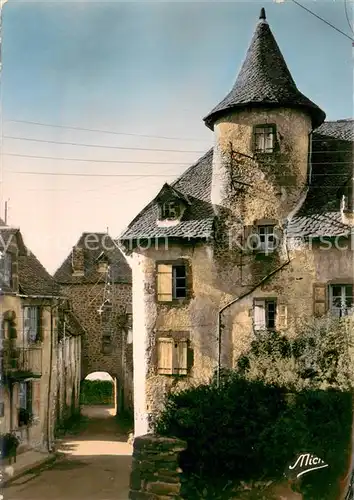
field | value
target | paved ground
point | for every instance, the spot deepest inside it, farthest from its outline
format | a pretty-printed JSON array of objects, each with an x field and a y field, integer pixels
[{"x": 95, "y": 465}]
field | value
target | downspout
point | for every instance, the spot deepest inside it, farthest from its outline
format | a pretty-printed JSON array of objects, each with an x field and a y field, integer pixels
[
  {"x": 237, "y": 299},
  {"x": 309, "y": 177}
]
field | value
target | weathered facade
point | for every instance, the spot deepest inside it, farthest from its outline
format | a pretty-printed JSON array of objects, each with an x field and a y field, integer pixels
[
  {"x": 68, "y": 357},
  {"x": 96, "y": 279},
  {"x": 253, "y": 237},
  {"x": 28, "y": 307}
]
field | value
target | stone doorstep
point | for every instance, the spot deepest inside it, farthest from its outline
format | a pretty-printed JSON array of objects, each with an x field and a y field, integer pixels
[{"x": 26, "y": 462}]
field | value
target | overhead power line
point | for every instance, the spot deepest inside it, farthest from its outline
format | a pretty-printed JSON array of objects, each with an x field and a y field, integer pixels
[
  {"x": 101, "y": 146},
  {"x": 88, "y": 160},
  {"x": 323, "y": 20},
  {"x": 72, "y": 174},
  {"x": 41, "y": 124}
]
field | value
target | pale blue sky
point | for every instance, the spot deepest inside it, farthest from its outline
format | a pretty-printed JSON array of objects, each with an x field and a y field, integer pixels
[{"x": 139, "y": 68}]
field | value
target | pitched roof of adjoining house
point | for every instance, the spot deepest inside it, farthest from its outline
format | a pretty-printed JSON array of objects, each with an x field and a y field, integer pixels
[
  {"x": 264, "y": 79},
  {"x": 34, "y": 279},
  {"x": 197, "y": 222},
  {"x": 94, "y": 244},
  {"x": 332, "y": 167}
]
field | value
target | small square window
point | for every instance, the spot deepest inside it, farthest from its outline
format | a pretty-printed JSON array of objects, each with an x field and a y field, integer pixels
[
  {"x": 171, "y": 282},
  {"x": 264, "y": 138}
]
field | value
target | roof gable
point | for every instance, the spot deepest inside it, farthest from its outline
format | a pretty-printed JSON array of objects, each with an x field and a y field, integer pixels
[{"x": 96, "y": 247}]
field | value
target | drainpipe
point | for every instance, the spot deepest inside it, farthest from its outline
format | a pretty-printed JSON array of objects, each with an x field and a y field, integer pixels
[{"x": 237, "y": 299}]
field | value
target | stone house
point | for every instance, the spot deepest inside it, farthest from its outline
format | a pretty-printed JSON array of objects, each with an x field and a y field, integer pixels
[
  {"x": 31, "y": 309},
  {"x": 255, "y": 236},
  {"x": 96, "y": 279},
  {"x": 28, "y": 309}
]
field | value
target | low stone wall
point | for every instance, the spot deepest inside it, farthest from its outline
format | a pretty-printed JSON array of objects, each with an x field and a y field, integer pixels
[{"x": 155, "y": 471}]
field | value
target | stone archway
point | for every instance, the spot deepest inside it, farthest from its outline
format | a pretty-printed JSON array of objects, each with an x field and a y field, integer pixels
[{"x": 97, "y": 393}]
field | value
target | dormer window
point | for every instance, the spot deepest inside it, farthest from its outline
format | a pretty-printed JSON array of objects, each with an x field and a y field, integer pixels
[
  {"x": 264, "y": 138},
  {"x": 170, "y": 210},
  {"x": 5, "y": 268}
]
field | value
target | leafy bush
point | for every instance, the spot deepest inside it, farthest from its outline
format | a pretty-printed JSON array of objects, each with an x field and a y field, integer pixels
[
  {"x": 25, "y": 417},
  {"x": 249, "y": 428},
  {"x": 9, "y": 444},
  {"x": 97, "y": 392}
]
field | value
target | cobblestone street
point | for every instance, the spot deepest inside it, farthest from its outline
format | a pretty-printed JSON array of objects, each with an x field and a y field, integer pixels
[{"x": 95, "y": 465}]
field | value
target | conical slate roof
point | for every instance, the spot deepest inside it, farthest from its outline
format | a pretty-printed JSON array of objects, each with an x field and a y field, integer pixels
[{"x": 264, "y": 80}]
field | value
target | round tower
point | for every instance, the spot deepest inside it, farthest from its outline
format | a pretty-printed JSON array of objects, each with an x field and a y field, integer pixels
[{"x": 262, "y": 135}]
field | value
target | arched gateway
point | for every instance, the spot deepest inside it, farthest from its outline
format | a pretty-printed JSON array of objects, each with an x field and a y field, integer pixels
[{"x": 96, "y": 278}]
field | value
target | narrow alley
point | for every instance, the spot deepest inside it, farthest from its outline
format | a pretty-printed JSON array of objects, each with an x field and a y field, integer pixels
[{"x": 93, "y": 465}]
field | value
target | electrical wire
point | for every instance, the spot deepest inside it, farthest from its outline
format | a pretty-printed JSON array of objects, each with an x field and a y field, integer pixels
[
  {"x": 59, "y": 158},
  {"x": 71, "y": 174},
  {"x": 101, "y": 146},
  {"x": 323, "y": 20},
  {"x": 105, "y": 131}
]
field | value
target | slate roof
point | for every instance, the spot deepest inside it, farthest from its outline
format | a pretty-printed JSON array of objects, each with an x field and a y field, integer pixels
[
  {"x": 319, "y": 215},
  {"x": 264, "y": 79},
  {"x": 198, "y": 220},
  {"x": 120, "y": 270},
  {"x": 34, "y": 279},
  {"x": 332, "y": 167}
]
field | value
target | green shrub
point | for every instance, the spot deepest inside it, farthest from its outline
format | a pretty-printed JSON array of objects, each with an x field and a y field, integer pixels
[
  {"x": 249, "y": 429},
  {"x": 97, "y": 392}
]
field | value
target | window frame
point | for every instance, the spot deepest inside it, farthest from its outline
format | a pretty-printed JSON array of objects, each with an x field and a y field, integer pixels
[
  {"x": 28, "y": 339},
  {"x": 265, "y": 304},
  {"x": 273, "y": 128},
  {"x": 343, "y": 298},
  {"x": 188, "y": 282},
  {"x": 6, "y": 262},
  {"x": 165, "y": 213},
  {"x": 266, "y": 249}
]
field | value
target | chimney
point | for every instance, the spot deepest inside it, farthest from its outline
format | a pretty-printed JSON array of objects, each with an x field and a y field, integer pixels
[{"x": 78, "y": 261}]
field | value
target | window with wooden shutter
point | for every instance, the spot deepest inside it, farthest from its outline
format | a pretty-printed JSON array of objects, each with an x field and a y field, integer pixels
[
  {"x": 250, "y": 238},
  {"x": 165, "y": 356},
  {"x": 319, "y": 299},
  {"x": 40, "y": 318},
  {"x": 171, "y": 282},
  {"x": 172, "y": 356},
  {"x": 265, "y": 314},
  {"x": 164, "y": 283}
]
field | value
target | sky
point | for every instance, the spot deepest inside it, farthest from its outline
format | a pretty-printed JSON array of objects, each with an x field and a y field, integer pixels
[{"x": 135, "y": 75}]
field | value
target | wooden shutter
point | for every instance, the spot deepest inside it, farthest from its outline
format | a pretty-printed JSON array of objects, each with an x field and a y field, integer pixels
[
  {"x": 180, "y": 357},
  {"x": 282, "y": 316},
  {"x": 36, "y": 390},
  {"x": 164, "y": 282},
  {"x": 29, "y": 396},
  {"x": 259, "y": 314},
  {"x": 319, "y": 299},
  {"x": 39, "y": 336},
  {"x": 164, "y": 356}
]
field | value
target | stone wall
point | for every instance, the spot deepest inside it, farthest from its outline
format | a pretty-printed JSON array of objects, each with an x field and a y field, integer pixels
[
  {"x": 155, "y": 469},
  {"x": 86, "y": 299}
]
